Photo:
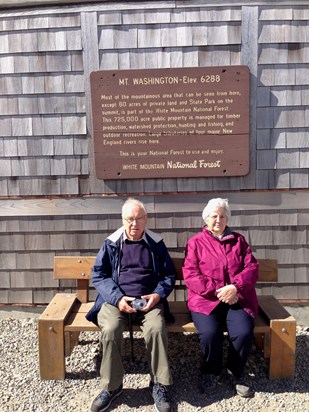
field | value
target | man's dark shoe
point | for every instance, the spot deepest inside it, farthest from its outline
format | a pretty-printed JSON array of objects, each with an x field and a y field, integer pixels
[
  {"x": 160, "y": 397},
  {"x": 103, "y": 400}
]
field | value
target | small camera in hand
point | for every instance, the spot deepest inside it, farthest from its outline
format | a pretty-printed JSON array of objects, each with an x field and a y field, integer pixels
[{"x": 138, "y": 304}]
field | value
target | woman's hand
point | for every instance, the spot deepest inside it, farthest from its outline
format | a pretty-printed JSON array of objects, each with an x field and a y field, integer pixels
[{"x": 227, "y": 294}]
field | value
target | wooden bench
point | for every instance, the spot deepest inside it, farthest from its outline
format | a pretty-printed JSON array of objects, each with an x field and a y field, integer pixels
[{"x": 62, "y": 321}]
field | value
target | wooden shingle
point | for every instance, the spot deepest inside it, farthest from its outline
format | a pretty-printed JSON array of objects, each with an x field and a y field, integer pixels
[
  {"x": 8, "y": 148},
  {"x": 8, "y": 260},
  {"x": 21, "y": 64},
  {"x": 302, "y": 291},
  {"x": 77, "y": 63},
  {"x": 10, "y": 85},
  {"x": 271, "y": 32},
  {"x": 58, "y": 62},
  {"x": 58, "y": 166},
  {"x": 73, "y": 39},
  {"x": 13, "y": 188},
  {"x": 7, "y": 64},
  {"x": 47, "y": 125},
  {"x": 5, "y": 281},
  {"x": 73, "y": 167},
  {"x": 265, "y": 118},
  {"x": 43, "y": 167},
  {"x": 182, "y": 36},
  {"x": 279, "y": 179},
  {"x": 169, "y": 185},
  {"x": 149, "y": 36},
  {"x": 63, "y": 146},
  {"x": 301, "y": 274},
  {"x": 110, "y": 18},
  {"x": 47, "y": 280},
  {"x": 278, "y": 139},
  {"x": 277, "y": 13},
  {"x": 286, "y": 76},
  {"x": 80, "y": 145},
  {"x": 22, "y": 126},
  {"x": 304, "y": 159},
  {"x": 69, "y": 185},
  {"x": 74, "y": 83},
  {"x": 4, "y": 43},
  {"x": 25, "y": 280},
  {"x": 5, "y": 167},
  {"x": 27, "y": 105},
  {"x": 158, "y": 16},
  {"x": 288, "y": 159},
  {"x": 2, "y": 147},
  {"x": 33, "y": 84},
  {"x": 73, "y": 125},
  {"x": 47, "y": 146},
  {"x": 299, "y": 178},
  {"x": 20, "y": 295}
]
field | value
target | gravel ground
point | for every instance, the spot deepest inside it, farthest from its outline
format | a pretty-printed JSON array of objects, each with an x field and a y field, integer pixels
[{"x": 22, "y": 390}]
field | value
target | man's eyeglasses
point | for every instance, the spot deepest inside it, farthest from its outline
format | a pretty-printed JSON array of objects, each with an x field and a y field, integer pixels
[{"x": 131, "y": 221}]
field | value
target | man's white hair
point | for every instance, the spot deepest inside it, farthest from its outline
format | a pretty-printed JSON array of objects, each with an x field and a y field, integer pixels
[{"x": 131, "y": 202}]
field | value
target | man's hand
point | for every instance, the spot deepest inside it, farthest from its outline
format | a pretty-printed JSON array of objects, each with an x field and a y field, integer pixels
[
  {"x": 227, "y": 294},
  {"x": 152, "y": 300},
  {"x": 123, "y": 304}
]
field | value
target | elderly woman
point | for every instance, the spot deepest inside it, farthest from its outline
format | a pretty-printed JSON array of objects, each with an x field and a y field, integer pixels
[{"x": 220, "y": 273}]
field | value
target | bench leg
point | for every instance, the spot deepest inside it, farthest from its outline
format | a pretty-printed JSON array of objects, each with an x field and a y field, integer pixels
[
  {"x": 70, "y": 341},
  {"x": 282, "y": 348},
  {"x": 263, "y": 343},
  {"x": 51, "y": 349}
]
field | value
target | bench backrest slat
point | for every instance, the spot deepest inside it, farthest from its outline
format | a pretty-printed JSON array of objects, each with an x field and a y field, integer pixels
[
  {"x": 80, "y": 267},
  {"x": 73, "y": 267},
  {"x": 268, "y": 269}
]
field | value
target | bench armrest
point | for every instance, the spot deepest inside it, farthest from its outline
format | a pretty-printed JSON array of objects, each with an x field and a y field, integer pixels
[{"x": 51, "y": 336}]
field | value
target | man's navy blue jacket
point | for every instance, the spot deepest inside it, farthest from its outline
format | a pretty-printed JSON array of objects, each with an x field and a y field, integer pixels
[{"x": 105, "y": 272}]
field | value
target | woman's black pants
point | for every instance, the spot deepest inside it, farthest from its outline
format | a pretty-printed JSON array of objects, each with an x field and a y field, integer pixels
[{"x": 239, "y": 326}]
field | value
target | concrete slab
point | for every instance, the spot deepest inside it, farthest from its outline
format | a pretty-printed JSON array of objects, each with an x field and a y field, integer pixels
[
  {"x": 300, "y": 313},
  {"x": 20, "y": 312}
]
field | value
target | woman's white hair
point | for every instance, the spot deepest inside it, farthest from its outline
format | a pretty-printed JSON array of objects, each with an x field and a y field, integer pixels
[{"x": 217, "y": 203}]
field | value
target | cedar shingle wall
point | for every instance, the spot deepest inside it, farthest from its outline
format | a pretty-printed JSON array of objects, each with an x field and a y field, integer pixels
[{"x": 46, "y": 56}]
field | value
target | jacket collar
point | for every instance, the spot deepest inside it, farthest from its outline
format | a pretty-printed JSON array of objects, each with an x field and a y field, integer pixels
[
  {"x": 227, "y": 234},
  {"x": 118, "y": 235}
]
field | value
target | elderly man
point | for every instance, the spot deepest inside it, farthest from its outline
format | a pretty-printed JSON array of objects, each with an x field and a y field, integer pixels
[{"x": 132, "y": 264}]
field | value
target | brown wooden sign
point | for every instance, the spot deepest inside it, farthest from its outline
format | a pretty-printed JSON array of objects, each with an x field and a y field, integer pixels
[{"x": 163, "y": 123}]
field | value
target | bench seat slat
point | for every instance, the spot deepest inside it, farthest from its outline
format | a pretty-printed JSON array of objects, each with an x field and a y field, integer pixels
[{"x": 77, "y": 322}]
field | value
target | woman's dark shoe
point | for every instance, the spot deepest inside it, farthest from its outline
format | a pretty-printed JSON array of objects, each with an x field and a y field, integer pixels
[
  {"x": 241, "y": 385},
  {"x": 243, "y": 389},
  {"x": 209, "y": 382}
]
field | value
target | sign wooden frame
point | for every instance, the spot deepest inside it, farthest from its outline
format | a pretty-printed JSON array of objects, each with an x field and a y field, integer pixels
[{"x": 170, "y": 123}]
